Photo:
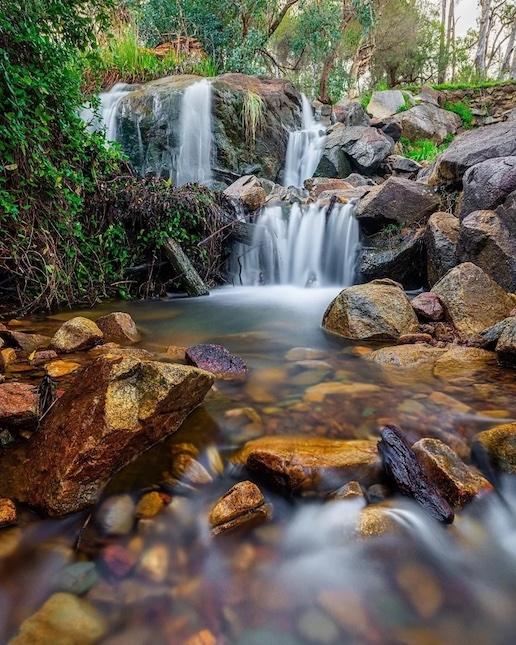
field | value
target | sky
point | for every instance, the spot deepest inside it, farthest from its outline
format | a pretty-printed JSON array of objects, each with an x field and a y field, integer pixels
[{"x": 466, "y": 12}]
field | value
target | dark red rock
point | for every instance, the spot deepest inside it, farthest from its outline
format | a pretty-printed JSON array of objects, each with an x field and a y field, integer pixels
[
  {"x": 428, "y": 306},
  {"x": 410, "y": 339},
  {"x": 217, "y": 360},
  {"x": 118, "y": 560},
  {"x": 18, "y": 405}
]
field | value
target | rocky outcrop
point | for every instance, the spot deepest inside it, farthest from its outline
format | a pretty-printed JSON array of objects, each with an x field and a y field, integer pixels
[
  {"x": 441, "y": 245},
  {"x": 118, "y": 327},
  {"x": 302, "y": 464},
  {"x": 486, "y": 185},
  {"x": 473, "y": 301},
  {"x": 401, "y": 258},
  {"x": 112, "y": 411},
  {"x": 488, "y": 239},
  {"x": 385, "y": 103},
  {"x": 248, "y": 191},
  {"x": 499, "y": 443},
  {"x": 358, "y": 148},
  {"x": 398, "y": 200},
  {"x": 76, "y": 334},
  {"x": 378, "y": 310},
  {"x": 474, "y": 147},
  {"x": 242, "y": 507},
  {"x": 426, "y": 121}
]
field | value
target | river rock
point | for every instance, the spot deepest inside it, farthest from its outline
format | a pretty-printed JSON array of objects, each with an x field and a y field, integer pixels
[
  {"x": 376, "y": 520},
  {"x": 352, "y": 491},
  {"x": 486, "y": 185},
  {"x": 419, "y": 357},
  {"x": 506, "y": 345},
  {"x": 8, "y": 515},
  {"x": 500, "y": 445},
  {"x": 441, "y": 245},
  {"x": 427, "y": 121},
  {"x": 217, "y": 360},
  {"x": 306, "y": 464},
  {"x": 385, "y": 103},
  {"x": 243, "y": 506},
  {"x": 488, "y": 239},
  {"x": 428, "y": 306},
  {"x": 359, "y": 148},
  {"x": 116, "y": 514},
  {"x": 459, "y": 360},
  {"x": 76, "y": 334},
  {"x": 118, "y": 327},
  {"x": 112, "y": 411},
  {"x": 398, "y": 200},
  {"x": 24, "y": 341},
  {"x": 62, "y": 620},
  {"x": 474, "y": 147},
  {"x": 118, "y": 560},
  {"x": 248, "y": 191},
  {"x": 458, "y": 483},
  {"x": 490, "y": 337},
  {"x": 18, "y": 405},
  {"x": 473, "y": 301},
  {"x": 378, "y": 310}
]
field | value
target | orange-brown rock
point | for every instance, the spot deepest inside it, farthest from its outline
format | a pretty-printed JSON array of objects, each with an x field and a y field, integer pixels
[
  {"x": 242, "y": 506},
  {"x": 113, "y": 410},
  {"x": 18, "y": 405},
  {"x": 118, "y": 327},
  {"x": 76, "y": 334},
  {"x": 500, "y": 445},
  {"x": 7, "y": 512}
]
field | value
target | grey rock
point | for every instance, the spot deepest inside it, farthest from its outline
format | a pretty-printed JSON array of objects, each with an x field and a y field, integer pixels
[
  {"x": 385, "y": 103},
  {"x": 441, "y": 245},
  {"x": 426, "y": 121},
  {"x": 487, "y": 184},
  {"x": 350, "y": 113}
]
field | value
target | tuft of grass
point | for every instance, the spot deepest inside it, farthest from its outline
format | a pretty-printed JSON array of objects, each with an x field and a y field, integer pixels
[
  {"x": 463, "y": 110},
  {"x": 424, "y": 149},
  {"x": 252, "y": 114},
  {"x": 205, "y": 67}
]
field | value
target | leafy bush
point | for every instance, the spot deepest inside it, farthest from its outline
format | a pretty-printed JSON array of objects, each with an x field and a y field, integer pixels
[
  {"x": 463, "y": 110},
  {"x": 424, "y": 149}
]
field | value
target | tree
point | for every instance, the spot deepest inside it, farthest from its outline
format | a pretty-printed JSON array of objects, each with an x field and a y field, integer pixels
[{"x": 483, "y": 35}]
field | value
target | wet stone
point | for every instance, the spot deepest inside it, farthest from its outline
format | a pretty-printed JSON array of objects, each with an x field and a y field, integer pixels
[
  {"x": 118, "y": 327},
  {"x": 305, "y": 354},
  {"x": 350, "y": 491},
  {"x": 118, "y": 560},
  {"x": 76, "y": 334},
  {"x": 8, "y": 514},
  {"x": 76, "y": 578},
  {"x": 150, "y": 505},
  {"x": 18, "y": 405},
  {"x": 217, "y": 360},
  {"x": 243, "y": 506},
  {"x": 500, "y": 445},
  {"x": 376, "y": 520},
  {"x": 116, "y": 514}
]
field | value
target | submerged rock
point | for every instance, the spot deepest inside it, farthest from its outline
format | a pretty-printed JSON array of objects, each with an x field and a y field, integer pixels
[
  {"x": 473, "y": 301},
  {"x": 243, "y": 506},
  {"x": 118, "y": 327},
  {"x": 22, "y": 340},
  {"x": 376, "y": 520},
  {"x": 115, "y": 516},
  {"x": 458, "y": 483},
  {"x": 441, "y": 245},
  {"x": 114, "y": 410},
  {"x": 18, "y": 405},
  {"x": 76, "y": 334},
  {"x": 500, "y": 445},
  {"x": 378, "y": 310},
  {"x": 217, "y": 360},
  {"x": 420, "y": 357},
  {"x": 307, "y": 464}
]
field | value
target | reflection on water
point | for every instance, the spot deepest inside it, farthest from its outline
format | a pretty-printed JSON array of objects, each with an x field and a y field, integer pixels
[{"x": 305, "y": 576}]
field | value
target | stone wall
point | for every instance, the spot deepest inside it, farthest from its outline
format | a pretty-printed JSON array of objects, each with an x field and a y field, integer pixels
[{"x": 489, "y": 105}]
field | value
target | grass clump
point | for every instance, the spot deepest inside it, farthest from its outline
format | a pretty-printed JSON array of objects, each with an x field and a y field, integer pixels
[
  {"x": 463, "y": 110},
  {"x": 252, "y": 115},
  {"x": 424, "y": 149}
]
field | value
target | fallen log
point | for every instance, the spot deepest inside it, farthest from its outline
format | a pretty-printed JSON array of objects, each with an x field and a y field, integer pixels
[
  {"x": 401, "y": 464},
  {"x": 192, "y": 282}
]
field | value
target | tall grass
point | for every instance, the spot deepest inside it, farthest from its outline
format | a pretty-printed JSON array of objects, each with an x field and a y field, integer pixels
[
  {"x": 252, "y": 115},
  {"x": 424, "y": 149},
  {"x": 463, "y": 110}
]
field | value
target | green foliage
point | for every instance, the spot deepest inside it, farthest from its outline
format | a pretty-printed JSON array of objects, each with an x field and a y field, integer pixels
[
  {"x": 463, "y": 110},
  {"x": 252, "y": 115},
  {"x": 424, "y": 149}
]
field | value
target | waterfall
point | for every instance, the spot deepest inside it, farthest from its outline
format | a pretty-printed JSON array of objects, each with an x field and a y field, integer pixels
[
  {"x": 107, "y": 118},
  {"x": 304, "y": 150},
  {"x": 195, "y": 148},
  {"x": 307, "y": 246}
]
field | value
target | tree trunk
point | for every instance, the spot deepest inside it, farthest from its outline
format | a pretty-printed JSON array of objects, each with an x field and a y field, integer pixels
[
  {"x": 483, "y": 35},
  {"x": 441, "y": 71},
  {"x": 329, "y": 61},
  {"x": 192, "y": 282},
  {"x": 509, "y": 53},
  {"x": 513, "y": 66}
]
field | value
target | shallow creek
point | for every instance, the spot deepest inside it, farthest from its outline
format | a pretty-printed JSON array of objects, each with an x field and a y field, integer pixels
[{"x": 304, "y": 576}]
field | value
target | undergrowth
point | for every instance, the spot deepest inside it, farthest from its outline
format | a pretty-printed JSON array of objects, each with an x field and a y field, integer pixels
[
  {"x": 463, "y": 110},
  {"x": 424, "y": 149}
]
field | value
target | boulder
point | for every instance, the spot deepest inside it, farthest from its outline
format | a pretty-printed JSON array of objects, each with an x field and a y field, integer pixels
[
  {"x": 378, "y": 310},
  {"x": 76, "y": 334},
  {"x": 8, "y": 514},
  {"x": 474, "y": 147},
  {"x": 457, "y": 482},
  {"x": 441, "y": 245},
  {"x": 217, "y": 360},
  {"x": 426, "y": 121},
  {"x": 248, "y": 191},
  {"x": 385, "y": 103},
  {"x": 401, "y": 258},
  {"x": 486, "y": 185},
  {"x": 319, "y": 185},
  {"x": 304, "y": 464},
  {"x": 428, "y": 306},
  {"x": 18, "y": 406},
  {"x": 118, "y": 327},
  {"x": 112, "y": 411},
  {"x": 473, "y": 301},
  {"x": 419, "y": 357},
  {"x": 398, "y": 200},
  {"x": 459, "y": 360},
  {"x": 427, "y": 94},
  {"x": 359, "y": 148},
  {"x": 490, "y": 337},
  {"x": 506, "y": 345},
  {"x": 26, "y": 342},
  {"x": 350, "y": 113},
  {"x": 488, "y": 239},
  {"x": 499, "y": 443},
  {"x": 403, "y": 166},
  {"x": 243, "y": 506}
]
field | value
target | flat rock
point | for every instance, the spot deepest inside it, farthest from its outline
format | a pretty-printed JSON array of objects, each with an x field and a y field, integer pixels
[
  {"x": 317, "y": 393},
  {"x": 217, "y": 360},
  {"x": 473, "y": 301},
  {"x": 378, "y": 310},
  {"x": 112, "y": 411},
  {"x": 25, "y": 341},
  {"x": 459, "y": 360},
  {"x": 500, "y": 445},
  {"x": 18, "y": 405},
  {"x": 458, "y": 483},
  {"x": 428, "y": 306},
  {"x": 302, "y": 464},
  {"x": 76, "y": 334},
  {"x": 118, "y": 327},
  {"x": 442, "y": 237},
  {"x": 243, "y": 506}
]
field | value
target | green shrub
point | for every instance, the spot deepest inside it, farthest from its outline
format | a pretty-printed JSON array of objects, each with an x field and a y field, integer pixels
[
  {"x": 424, "y": 149},
  {"x": 463, "y": 110}
]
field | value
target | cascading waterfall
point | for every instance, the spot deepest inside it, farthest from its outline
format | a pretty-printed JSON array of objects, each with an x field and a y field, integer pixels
[
  {"x": 108, "y": 112},
  {"x": 304, "y": 149},
  {"x": 313, "y": 245}
]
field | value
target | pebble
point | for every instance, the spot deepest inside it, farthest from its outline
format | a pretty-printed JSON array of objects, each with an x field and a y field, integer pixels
[
  {"x": 58, "y": 369},
  {"x": 118, "y": 560},
  {"x": 77, "y": 578},
  {"x": 154, "y": 563},
  {"x": 203, "y": 637},
  {"x": 150, "y": 505},
  {"x": 116, "y": 514},
  {"x": 317, "y": 627},
  {"x": 305, "y": 354}
]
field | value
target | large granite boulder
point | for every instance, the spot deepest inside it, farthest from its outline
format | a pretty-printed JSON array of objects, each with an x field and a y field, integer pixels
[
  {"x": 487, "y": 184},
  {"x": 488, "y": 239},
  {"x": 441, "y": 245},
  {"x": 359, "y": 148},
  {"x": 474, "y": 147},
  {"x": 385, "y": 103},
  {"x": 473, "y": 301},
  {"x": 398, "y": 200},
  {"x": 401, "y": 258},
  {"x": 378, "y": 310},
  {"x": 350, "y": 113},
  {"x": 426, "y": 121},
  {"x": 114, "y": 410}
]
